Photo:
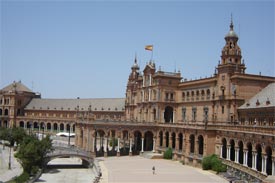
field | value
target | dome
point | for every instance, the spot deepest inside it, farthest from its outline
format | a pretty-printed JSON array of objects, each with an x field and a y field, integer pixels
[
  {"x": 231, "y": 33},
  {"x": 135, "y": 66}
]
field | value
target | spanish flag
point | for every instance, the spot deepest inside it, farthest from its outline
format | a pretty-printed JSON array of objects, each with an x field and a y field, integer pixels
[{"x": 149, "y": 47}]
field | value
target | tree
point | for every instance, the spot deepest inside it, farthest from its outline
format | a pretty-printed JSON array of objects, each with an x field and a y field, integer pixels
[
  {"x": 32, "y": 152},
  {"x": 12, "y": 135}
]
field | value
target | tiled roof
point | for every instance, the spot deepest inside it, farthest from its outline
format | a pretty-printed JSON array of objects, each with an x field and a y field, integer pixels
[
  {"x": 18, "y": 86},
  {"x": 98, "y": 104},
  {"x": 265, "y": 98}
]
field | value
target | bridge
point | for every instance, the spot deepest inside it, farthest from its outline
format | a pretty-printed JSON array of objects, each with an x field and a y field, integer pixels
[{"x": 63, "y": 150}]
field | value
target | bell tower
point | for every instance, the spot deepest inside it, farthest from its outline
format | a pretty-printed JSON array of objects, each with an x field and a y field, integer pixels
[{"x": 231, "y": 54}]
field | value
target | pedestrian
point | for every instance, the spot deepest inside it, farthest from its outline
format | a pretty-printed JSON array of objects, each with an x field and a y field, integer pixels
[{"x": 153, "y": 168}]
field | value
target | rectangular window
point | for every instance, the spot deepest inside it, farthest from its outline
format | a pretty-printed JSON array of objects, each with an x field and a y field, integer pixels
[
  {"x": 222, "y": 109},
  {"x": 205, "y": 113},
  {"x": 183, "y": 114},
  {"x": 194, "y": 113},
  {"x": 171, "y": 96}
]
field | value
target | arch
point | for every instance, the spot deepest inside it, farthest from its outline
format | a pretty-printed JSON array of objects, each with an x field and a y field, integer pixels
[
  {"x": 68, "y": 127},
  {"x": 259, "y": 157},
  {"x": 137, "y": 143},
  {"x": 160, "y": 138},
  {"x": 232, "y": 150},
  {"x": 29, "y": 124},
  {"x": 6, "y": 123},
  {"x": 99, "y": 147},
  {"x": 21, "y": 124},
  {"x": 201, "y": 144},
  {"x": 180, "y": 141},
  {"x": 240, "y": 144},
  {"x": 61, "y": 127},
  {"x": 224, "y": 148},
  {"x": 148, "y": 141},
  {"x": 55, "y": 127},
  {"x": 6, "y": 112},
  {"x": 268, "y": 151},
  {"x": 249, "y": 154},
  {"x": 208, "y": 94},
  {"x": 173, "y": 140},
  {"x": 166, "y": 139},
  {"x": 35, "y": 125},
  {"x": 42, "y": 125},
  {"x": 49, "y": 126},
  {"x": 192, "y": 143}
]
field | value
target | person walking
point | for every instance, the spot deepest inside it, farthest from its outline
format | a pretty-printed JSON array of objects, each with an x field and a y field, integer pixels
[{"x": 154, "y": 169}]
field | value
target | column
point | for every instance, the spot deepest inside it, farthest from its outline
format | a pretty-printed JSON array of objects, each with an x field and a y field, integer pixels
[
  {"x": 273, "y": 167},
  {"x": 245, "y": 157},
  {"x": 221, "y": 151},
  {"x": 154, "y": 144},
  {"x": 236, "y": 155},
  {"x": 150, "y": 79},
  {"x": 105, "y": 146},
  {"x": 25, "y": 125},
  {"x": 228, "y": 153},
  {"x": 264, "y": 164},
  {"x": 118, "y": 152},
  {"x": 254, "y": 161},
  {"x": 93, "y": 144},
  {"x": 149, "y": 94},
  {"x": 130, "y": 150},
  {"x": 88, "y": 140},
  {"x": 142, "y": 144}
]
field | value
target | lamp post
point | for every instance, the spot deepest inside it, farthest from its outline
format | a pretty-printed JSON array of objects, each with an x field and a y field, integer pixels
[
  {"x": 69, "y": 134},
  {"x": 43, "y": 127},
  {"x": 10, "y": 149}
]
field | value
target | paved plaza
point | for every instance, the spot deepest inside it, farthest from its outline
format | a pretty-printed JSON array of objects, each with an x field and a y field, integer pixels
[
  {"x": 5, "y": 173},
  {"x": 138, "y": 169}
]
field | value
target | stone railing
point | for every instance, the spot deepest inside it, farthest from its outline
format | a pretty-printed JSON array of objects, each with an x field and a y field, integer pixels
[{"x": 244, "y": 172}]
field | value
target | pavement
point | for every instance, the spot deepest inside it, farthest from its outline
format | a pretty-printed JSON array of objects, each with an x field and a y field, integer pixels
[
  {"x": 138, "y": 169},
  {"x": 67, "y": 170},
  {"x": 16, "y": 169}
]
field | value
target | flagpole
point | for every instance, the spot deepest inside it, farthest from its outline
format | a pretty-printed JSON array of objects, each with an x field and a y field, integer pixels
[{"x": 152, "y": 54}]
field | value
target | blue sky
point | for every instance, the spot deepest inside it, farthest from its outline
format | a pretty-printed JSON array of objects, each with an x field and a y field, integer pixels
[{"x": 69, "y": 49}]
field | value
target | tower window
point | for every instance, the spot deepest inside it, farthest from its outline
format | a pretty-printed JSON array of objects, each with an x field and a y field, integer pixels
[{"x": 222, "y": 109}]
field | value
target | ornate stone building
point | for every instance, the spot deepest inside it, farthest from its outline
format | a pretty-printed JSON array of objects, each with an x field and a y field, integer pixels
[{"x": 231, "y": 114}]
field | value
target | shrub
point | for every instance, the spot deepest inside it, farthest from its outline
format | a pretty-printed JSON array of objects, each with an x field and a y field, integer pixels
[
  {"x": 168, "y": 153},
  {"x": 212, "y": 162},
  {"x": 24, "y": 177}
]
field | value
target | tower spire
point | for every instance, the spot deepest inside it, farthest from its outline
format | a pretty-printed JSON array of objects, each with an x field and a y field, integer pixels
[{"x": 231, "y": 23}]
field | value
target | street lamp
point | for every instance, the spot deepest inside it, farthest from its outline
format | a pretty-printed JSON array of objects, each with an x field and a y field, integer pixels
[
  {"x": 69, "y": 134},
  {"x": 43, "y": 127},
  {"x": 10, "y": 150}
]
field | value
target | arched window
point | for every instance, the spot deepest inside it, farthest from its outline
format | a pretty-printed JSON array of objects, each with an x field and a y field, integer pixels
[
  {"x": 208, "y": 94},
  {"x": 6, "y": 112},
  {"x": 201, "y": 144},
  {"x": 192, "y": 143}
]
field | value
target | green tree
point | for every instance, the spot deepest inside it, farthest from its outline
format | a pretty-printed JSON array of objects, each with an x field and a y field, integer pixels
[
  {"x": 32, "y": 152},
  {"x": 12, "y": 135}
]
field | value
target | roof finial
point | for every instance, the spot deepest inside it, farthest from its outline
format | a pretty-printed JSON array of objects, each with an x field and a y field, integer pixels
[
  {"x": 135, "y": 57},
  {"x": 231, "y": 23}
]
